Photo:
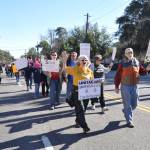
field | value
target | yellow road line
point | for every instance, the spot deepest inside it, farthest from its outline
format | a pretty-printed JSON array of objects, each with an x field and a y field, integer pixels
[
  {"x": 115, "y": 98},
  {"x": 143, "y": 109}
]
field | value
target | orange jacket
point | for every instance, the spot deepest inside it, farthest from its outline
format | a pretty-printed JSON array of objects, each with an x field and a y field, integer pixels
[{"x": 128, "y": 72}]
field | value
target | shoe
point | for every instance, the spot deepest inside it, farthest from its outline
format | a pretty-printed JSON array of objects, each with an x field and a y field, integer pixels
[
  {"x": 93, "y": 107},
  {"x": 77, "y": 125},
  {"x": 85, "y": 130},
  {"x": 27, "y": 88},
  {"x": 102, "y": 111},
  {"x": 105, "y": 108},
  {"x": 130, "y": 125},
  {"x": 52, "y": 107}
]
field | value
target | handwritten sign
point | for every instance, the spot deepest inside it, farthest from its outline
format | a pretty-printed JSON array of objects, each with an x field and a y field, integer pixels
[
  {"x": 21, "y": 63},
  {"x": 89, "y": 88},
  {"x": 50, "y": 65}
]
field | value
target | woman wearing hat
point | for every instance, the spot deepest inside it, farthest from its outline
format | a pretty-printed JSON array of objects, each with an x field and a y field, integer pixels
[{"x": 79, "y": 72}]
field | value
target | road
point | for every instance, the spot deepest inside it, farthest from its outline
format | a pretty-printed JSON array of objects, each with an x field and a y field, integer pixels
[{"x": 28, "y": 124}]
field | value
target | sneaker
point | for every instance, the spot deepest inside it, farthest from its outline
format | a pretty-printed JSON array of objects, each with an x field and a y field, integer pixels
[
  {"x": 102, "y": 111},
  {"x": 105, "y": 108},
  {"x": 93, "y": 107},
  {"x": 52, "y": 107},
  {"x": 130, "y": 125},
  {"x": 85, "y": 130}
]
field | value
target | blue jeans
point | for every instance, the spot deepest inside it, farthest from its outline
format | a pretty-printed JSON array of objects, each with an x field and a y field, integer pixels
[
  {"x": 37, "y": 86},
  {"x": 69, "y": 89},
  {"x": 54, "y": 92},
  {"x": 130, "y": 98},
  {"x": 17, "y": 78}
]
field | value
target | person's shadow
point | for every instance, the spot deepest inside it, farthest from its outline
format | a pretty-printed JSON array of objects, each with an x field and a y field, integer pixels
[{"x": 57, "y": 137}]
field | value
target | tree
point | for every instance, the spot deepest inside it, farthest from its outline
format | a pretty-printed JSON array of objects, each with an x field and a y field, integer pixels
[
  {"x": 134, "y": 26},
  {"x": 99, "y": 40},
  {"x": 61, "y": 34},
  {"x": 45, "y": 47},
  {"x": 32, "y": 52},
  {"x": 5, "y": 57}
]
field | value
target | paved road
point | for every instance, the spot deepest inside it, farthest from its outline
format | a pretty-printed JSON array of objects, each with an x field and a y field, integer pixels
[{"x": 28, "y": 124}]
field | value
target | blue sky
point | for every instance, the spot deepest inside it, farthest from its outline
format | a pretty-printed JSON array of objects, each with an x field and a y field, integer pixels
[{"x": 22, "y": 22}]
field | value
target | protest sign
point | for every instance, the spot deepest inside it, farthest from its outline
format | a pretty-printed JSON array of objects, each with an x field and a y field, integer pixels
[
  {"x": 89, "y": 88},
  {"x": 148, "y": 52},
  {"x": 85, "y": 49},
  {"x": 21, "y": 63},
  {"x": 50, "y": 65},
  {"x": 113, "y": 53}
]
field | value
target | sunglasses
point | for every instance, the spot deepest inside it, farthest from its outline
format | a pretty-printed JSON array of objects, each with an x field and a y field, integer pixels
[
  {"x": 98, "y": 59},
  {"x": 84, "y": 60}
]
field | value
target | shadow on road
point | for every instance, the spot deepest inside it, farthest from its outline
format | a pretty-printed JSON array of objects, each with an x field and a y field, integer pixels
[{"x": 57, "y": 137}]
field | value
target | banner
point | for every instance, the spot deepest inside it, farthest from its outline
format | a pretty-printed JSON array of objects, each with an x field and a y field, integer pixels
[
  {"x": 89, "y": 88},
  {"x": 21, "y": 63},
  {"x": 50, "y": 65},
  {"x": 85, "y": 49}
]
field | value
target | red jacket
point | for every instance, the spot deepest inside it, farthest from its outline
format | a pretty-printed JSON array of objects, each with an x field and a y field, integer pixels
[{"x": 128, "y": 72}]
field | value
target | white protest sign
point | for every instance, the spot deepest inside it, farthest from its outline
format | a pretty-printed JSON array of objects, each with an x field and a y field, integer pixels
[
  {"x": 113, "y": 53},
  {"x": 85, "y": 49},
  {"x": 89, "y": 89},
  {"x": 148, "y": 51},
  {"x": 21, "y": 63},
  {"x": 50, "y": 65}
]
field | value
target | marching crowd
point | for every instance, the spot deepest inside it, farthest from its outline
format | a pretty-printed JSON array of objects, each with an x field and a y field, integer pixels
[{"x": 72, "y": 69}]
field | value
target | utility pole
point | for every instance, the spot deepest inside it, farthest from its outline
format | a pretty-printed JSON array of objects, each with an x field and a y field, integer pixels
[{"x": 87, "y": 25}]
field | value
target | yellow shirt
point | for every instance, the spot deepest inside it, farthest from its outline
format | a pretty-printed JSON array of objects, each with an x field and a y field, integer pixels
[
  {"x": 79, "y": 73},
  {"x": 14, "y": 69}
]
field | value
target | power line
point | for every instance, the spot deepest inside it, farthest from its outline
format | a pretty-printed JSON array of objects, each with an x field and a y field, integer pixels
[
  {"x": 95, "y": 8},
  {"x": 112, "y": 10},
  {"x": 13, "y": 49}
]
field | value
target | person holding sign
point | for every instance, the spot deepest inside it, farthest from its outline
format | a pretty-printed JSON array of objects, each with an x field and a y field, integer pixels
[
  {"x": 128, "y": 74},
  {"x": 55, "y": 83},
  {"x": 99, "y": 72},
  {"x": 79, "y": 72},
  {"x": 71, "y": 61},
  {"x": 28, "y": 73}
]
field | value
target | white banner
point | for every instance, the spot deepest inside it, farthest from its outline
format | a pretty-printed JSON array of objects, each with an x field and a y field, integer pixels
[
  {"x": 85, "y": 49},
  {"x": 21, "y": 63},
  {"x": 89, "y": 89},
  {"x": 113, "y": 53},
  {"x": 50, "y": 65}
]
